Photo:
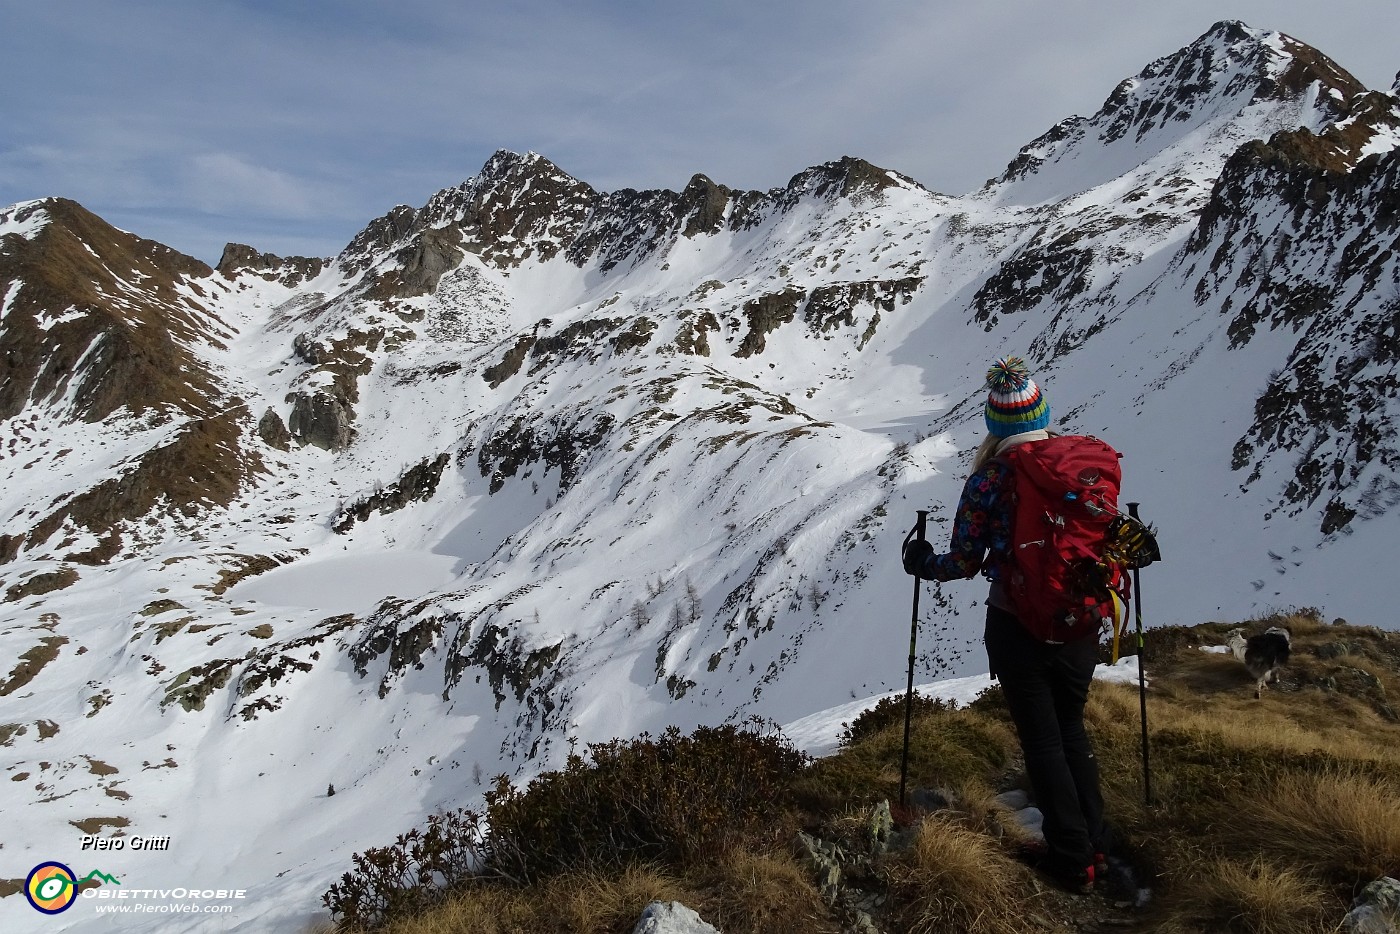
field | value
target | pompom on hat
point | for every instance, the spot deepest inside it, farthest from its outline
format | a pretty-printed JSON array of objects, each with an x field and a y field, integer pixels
[{"x": 1015, "y": 403}]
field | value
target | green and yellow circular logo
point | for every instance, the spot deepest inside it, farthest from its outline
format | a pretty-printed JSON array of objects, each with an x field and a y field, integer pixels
[{"x": 51, "y": 888}]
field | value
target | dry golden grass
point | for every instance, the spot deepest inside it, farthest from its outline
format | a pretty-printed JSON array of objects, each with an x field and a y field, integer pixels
[
  {"x": 573, "y": 903},
  {"x": 1257, "y": 897},
  {"x": 1344, "y": 824},
  {"x": 763, "y": 893},
  {"x": 479, "y": 911},
  {"x": 1112, "y": 708},
  {"x": 852, "y": 825},
  {"x": 955, "y": 879},
  {"x": 1275, "y": 723},
  {"x": 1285, "y": 734},
  {"x": 1298, "y": 622},
  {"x": 740, "y": 893},
  {"x": 977, "y": 809},
  {"x": 598, "y": 903},
  {"x": 1195, "y": 692},
  {"x": 1300, "y": 779}
]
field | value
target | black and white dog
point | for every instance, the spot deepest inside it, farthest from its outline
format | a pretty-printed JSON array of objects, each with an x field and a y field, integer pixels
[{"x": 1263, "y": 654}]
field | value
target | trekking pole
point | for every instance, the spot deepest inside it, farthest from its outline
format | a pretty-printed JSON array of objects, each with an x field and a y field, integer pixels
[
  {"x": 919, "y": 529},
  {"x": 1142, "y": 680}
]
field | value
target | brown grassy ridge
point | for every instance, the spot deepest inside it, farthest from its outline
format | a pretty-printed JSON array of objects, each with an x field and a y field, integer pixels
[
  {"x": 1267, "y": 816},
  {"x": 123, "y": 351}
]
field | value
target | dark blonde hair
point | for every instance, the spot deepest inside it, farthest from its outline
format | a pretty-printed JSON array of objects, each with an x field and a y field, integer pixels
[{"x": 991, "y": 444}]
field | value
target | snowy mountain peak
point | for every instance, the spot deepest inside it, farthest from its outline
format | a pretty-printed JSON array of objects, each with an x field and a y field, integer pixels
[
  {"x": 1228, "y": 68},
  {"x": 524, "y": 207},
  {"x": 1184, "y": 113},
  {"x": 517, "y": 206},
  {"x": 505, "y": 165},
  {"x": 848, "y": 177}
]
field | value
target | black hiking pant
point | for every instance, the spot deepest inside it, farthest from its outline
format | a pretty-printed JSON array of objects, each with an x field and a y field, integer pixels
[{"x": 1045, "y": 687}]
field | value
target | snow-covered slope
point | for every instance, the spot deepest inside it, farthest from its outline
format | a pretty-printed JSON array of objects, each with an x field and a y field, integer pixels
[{"x": 535, "y": 465}]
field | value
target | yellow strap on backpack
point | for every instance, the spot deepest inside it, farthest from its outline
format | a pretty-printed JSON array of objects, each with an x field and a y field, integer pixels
[{"x": 1120, "y": 620}]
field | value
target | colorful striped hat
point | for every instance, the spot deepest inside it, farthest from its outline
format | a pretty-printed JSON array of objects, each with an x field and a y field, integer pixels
[{"x": 1015, "y": 403}]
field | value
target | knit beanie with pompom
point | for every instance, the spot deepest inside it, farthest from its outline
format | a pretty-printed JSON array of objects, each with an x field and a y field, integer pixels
[{"x": 1015, "y": 403}]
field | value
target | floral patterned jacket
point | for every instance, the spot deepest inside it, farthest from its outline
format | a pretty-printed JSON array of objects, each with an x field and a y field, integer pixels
[{"x": 981, "y": 525}]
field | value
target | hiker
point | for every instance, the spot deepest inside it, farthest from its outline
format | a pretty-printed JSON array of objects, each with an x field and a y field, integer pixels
[{"x": 1045, "y": 683}]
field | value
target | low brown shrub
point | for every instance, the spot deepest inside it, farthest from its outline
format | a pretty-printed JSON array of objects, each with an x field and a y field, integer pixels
[
  {"x": 889, "y": 711},
  {"x": 669, "y": 800},
  {"x": 946, "y": 747},
  {"x": 409, "y": 876},
  {"x": 666, "y": 800}
]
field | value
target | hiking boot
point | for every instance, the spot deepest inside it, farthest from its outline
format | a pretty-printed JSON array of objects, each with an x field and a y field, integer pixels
[
  {"x": 1078, "y": 881},
  {"x": 1067, "y": 877}
]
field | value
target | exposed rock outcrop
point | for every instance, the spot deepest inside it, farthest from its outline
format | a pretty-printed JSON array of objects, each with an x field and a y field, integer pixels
[
  {"x": 1376, "y": 910},
  {"x": 273, "y": 431},
  {"x": 322, "y": 419},
  {"x": 765, "y": 314},
  {"x": 671, "y": 918},
  {"x": 291, "y": 271},
  {"x": 418, "y": 484}
]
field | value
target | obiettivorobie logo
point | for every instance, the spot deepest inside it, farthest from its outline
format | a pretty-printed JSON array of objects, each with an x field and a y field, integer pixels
[{"x": 52, "y": 887}]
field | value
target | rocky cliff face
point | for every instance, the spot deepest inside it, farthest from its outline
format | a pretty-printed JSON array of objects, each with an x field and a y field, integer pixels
[{"x": 1292, "y": 243}]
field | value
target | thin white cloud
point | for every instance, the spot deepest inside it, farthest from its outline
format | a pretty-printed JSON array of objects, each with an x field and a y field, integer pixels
[{"x": 223, "y": 183}]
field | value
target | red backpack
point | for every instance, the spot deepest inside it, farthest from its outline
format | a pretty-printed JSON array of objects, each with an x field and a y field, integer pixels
[{"x": 1061, "y": 582}]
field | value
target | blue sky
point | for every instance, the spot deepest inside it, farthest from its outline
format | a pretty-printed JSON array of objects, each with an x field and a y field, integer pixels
[{"x": 289, "y": 125}]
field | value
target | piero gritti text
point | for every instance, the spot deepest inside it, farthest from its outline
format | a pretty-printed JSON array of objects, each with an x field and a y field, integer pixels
[{"x": 138, "y": 843}]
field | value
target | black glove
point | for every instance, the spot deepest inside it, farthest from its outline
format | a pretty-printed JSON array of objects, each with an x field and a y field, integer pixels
[{"x": 916, "y": 555}]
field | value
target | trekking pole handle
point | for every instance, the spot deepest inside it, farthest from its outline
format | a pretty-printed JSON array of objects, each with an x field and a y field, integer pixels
[
  {"x": 1133, "y": 510},
  {"x": 920, "y": 528}
]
